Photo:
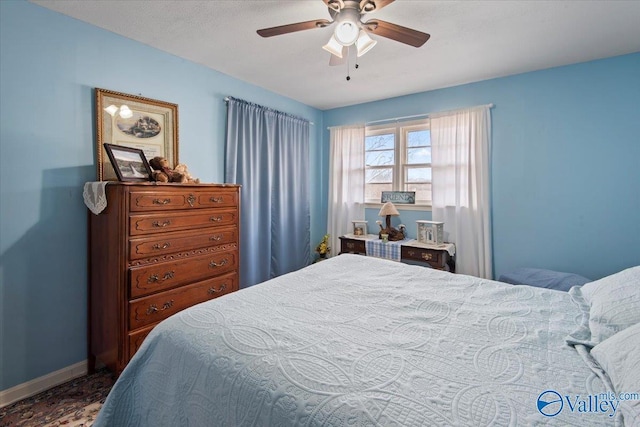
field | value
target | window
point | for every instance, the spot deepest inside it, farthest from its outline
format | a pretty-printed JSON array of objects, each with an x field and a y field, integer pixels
[{"x": 398, "y": 158}]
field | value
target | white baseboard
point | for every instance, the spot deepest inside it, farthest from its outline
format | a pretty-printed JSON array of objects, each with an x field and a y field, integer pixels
[{"x": 35, "y": 386}]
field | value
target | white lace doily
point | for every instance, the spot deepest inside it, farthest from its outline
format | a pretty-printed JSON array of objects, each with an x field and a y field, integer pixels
[{"x": 94, "y": 196}]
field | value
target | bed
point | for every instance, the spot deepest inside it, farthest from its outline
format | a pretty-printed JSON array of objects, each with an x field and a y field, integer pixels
[{"x": 362, "y": 341}]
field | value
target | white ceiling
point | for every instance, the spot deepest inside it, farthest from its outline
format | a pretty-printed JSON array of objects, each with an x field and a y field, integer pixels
[{"x": 470, "y": 41}]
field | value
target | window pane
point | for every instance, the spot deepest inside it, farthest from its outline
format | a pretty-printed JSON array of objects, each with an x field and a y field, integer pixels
[
  {"x": 374, "y": 191},
  {"x": 419, "y": 155},
  {"x": 379, "y": 158},
  {"x": 423, "y": 191},
  {"x": 379, "y": 142},
  {"x": 419, "y": 137},
  {"x": 379, "y": 175},
  {"x": 418, "y": 174}
]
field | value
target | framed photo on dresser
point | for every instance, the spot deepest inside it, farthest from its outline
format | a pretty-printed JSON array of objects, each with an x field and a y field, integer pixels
[
  {"x": 136, "y": 122},
  {"x": 129, "y": 164}
]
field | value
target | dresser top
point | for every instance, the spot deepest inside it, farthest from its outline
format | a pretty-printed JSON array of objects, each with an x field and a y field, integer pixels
[{"x": 170, "y": 184}]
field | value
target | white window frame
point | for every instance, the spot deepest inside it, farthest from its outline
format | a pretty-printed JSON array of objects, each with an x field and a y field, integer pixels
[{"x": 400, "y": 130}]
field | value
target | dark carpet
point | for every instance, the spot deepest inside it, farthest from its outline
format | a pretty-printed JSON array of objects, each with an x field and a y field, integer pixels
[{"x": 72, "y": 404}]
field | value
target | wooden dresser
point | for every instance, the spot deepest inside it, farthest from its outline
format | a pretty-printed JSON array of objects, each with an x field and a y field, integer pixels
[{"x": 155, "y": 250}]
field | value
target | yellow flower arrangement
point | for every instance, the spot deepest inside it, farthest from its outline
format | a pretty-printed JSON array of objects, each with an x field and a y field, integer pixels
[{"x": 323, "y": 247}]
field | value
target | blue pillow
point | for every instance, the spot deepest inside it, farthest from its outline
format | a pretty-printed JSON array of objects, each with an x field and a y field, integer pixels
[{"x": 543, "y": 278}]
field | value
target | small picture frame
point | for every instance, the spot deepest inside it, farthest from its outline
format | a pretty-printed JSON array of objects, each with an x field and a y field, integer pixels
[
  {"x": 129, "y": 164},
  {"x": 430, "y": 232},
  {"x": 359, "y": 228}
]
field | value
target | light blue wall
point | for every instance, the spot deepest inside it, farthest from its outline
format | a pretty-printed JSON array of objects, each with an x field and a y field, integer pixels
[
  {"x": 566, "y": 162},
  {"x": 50, "y": 65}
]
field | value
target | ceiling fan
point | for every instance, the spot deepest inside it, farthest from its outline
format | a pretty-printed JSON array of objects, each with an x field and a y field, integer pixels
[{"x": 350, "y": 30}]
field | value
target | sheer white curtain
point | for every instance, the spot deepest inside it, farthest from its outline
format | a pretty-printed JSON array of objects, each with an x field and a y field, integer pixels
[
  {"x": 346, "y": 181},
  {"x": 461, "y": 143}
]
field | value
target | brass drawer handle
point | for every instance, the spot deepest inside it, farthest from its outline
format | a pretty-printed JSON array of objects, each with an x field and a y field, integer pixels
[
  {"x": 191, "y": 199},
  {"x": 214, "y": 264},
  {"x": 161, "y": 224},
  {"x": 411, "y": 253},
  {"x": 213, "y": 290},
  {"x": 427, "y": 256},
  {"x": 155, "y": 279},
  {"x": 158, "y": 247},
  {"x": 161, "y": 202},
  {"x": 216, "y": 238},
  {"x": 351, "y": 245},
  {"x": 215, "y": 218},
  {"x": 217, "y": 199},
  {"x": 154, "y": 309}
]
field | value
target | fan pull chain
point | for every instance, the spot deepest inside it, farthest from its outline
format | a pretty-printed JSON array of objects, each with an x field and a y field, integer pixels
[
  {"x": 348, "y": 56},
  {"x": 348, "y": 63}
]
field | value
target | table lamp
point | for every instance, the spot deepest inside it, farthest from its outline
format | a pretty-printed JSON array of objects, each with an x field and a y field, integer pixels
[{"x": 388, "y": 210}]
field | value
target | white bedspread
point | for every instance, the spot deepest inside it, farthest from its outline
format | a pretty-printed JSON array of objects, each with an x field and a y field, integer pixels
[{"x": 360, "y": 341}]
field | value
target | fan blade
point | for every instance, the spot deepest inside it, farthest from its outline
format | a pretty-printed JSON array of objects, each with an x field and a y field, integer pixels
[
  {"x": 336, "y": 60},
  {"x": 292, "y": 28},
  {"x": 397, "y": 32},
  {"x": 367, "y": 6}
]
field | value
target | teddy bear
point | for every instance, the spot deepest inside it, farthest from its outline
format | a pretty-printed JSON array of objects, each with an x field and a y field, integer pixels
[
  {"x": 163, "y": 173},
  {"x": 182, "y": 168}
]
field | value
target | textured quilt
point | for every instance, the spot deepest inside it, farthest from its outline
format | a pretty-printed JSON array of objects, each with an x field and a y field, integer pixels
[{"x": 362, "y": 341}]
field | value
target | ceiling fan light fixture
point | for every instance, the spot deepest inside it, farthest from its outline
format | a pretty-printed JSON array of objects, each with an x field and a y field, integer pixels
[
  {"x": 334, "y": 47},
  {"x": 346, "y": 33},
  {"x": 348, "y": 27},
  {"x": 364, "y": 43}
]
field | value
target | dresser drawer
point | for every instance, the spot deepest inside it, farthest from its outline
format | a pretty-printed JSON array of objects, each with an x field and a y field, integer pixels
[
  {"x": 154, "y": 200},
  {"x": 353, "y": 246},
  {"x": 218, "y": 199},
  {"x": 433, "y": 257},
  {"x": 137, "y": 338},
  {"x": 160, "y": 223},
  {"x": 179, "y": 242},
  {"x": 158, "y": 277},
  {"x": 157, "y": 307}
]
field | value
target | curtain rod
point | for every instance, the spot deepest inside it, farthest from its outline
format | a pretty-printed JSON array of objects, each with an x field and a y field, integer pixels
[
  {"x": 415, "y": 116},
  {"x": 226, "y": 99}
]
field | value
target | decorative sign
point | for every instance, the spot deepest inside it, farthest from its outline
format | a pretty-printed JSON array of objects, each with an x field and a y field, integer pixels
[{"x": 399, "y": 197}]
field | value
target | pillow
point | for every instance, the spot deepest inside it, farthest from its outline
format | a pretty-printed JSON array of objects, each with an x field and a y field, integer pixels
[
  {"x": 619, "y": 357},
  {"x": 543, "y": 278},
  {"x": 614, "y": 303}
]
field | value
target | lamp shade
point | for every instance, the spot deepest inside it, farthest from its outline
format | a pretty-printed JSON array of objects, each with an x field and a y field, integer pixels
[
  {"x": 388, "y": 209},
  {"x": 364, "y": 43},
  {"x": 333, "y": 47}
]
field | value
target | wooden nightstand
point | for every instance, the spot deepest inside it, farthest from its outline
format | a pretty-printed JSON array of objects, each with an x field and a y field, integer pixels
[{"x": 411, "y": 252}]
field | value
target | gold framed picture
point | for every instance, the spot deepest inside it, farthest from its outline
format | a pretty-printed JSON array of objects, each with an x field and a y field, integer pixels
[{"x": 136, "y": 122}]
